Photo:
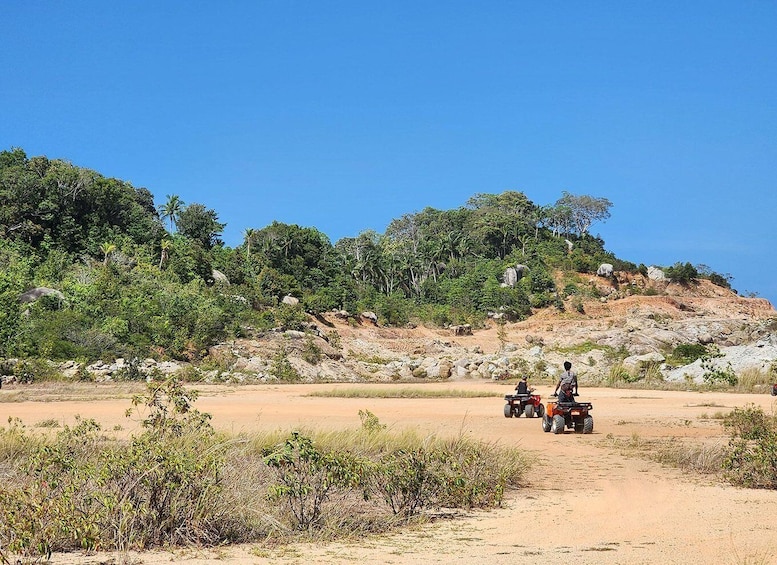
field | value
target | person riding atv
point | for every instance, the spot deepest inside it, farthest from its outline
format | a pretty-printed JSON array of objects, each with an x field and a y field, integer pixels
[
  {"x": 566, "y": 394},
  {"x": 566, "y": 412},
  {"x": 524, "y": 401}
]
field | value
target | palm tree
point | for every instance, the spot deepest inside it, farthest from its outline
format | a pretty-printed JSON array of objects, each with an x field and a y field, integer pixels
[
  {"x": 171, "y": 209},
  {"x": 249, "y": 234},
  {"x": 107, "y": 249}
]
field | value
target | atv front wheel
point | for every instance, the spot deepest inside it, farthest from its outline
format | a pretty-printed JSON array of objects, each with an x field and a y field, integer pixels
[
  {"x": 540, "y": 411},
  {"x": 528, "y": 411},
  {"x": 546, "y": 423},
  {"x": 557, "y": 427},
  {"x": 588, "y": 425},
  {"x": 508, "y": 411}
]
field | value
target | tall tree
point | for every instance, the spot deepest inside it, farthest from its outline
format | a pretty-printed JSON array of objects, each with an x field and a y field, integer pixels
[
  {"x": 198, "y": 223},
  {"x": 498, "y": 220},
  {"x": 249, "y": 235},
  {"x": 172, "y": 209},
  {"x": 584, "y": 210}
]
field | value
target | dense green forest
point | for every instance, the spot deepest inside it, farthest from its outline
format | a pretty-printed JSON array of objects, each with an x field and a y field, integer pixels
[{"x": 133, "y": 279}]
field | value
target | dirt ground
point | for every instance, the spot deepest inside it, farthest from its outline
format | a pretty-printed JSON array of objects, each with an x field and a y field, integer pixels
[{"x": 585, "y": 502}]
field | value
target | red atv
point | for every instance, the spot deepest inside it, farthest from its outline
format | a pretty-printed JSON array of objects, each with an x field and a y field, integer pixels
[
  {"x": 527, "y": 404},
  {"x": 572, "y": 415}
]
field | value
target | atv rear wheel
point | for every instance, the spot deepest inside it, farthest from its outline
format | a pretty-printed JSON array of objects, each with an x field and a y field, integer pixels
[
  {"x": 588, "y": 425},
  {"x": 508, "y": 411},
  {"x": 557, "y": 427},
  {"x": 528, "y": 411},
  {"x": 578, "y": 427},
  {"x": 546, "y": 423}
]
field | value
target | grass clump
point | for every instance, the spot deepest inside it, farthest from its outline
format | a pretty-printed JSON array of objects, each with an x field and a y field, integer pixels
[
  {"x": 584, "y": 347},
  {"x": 372, "y": 359},
  {"x": 754, "y": 379},
  {"x": 406, "y": 392},
  {"x": 699, "y": 458}
]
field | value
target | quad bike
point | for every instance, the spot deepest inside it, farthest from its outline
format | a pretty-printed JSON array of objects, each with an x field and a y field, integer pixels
[
  {"x": 573, "y": 415},
  {"x": 527, "y": 404}
]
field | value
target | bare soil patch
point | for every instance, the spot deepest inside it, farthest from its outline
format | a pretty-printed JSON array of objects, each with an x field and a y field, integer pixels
[{"x": 586, "y": 503}]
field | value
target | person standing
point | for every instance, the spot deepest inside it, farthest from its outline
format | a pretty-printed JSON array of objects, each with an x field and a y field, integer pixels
[{"x": 569, "y": 377}]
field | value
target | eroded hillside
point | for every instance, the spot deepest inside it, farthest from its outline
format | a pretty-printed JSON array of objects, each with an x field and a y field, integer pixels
[{"x": 593, "y": 332}]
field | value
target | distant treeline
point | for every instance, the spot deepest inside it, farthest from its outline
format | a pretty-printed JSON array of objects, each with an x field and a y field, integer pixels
[{"x": 137, "y": 280}]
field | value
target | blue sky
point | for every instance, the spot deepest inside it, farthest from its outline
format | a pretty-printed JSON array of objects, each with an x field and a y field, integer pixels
[{"x": 345, "y": 115}]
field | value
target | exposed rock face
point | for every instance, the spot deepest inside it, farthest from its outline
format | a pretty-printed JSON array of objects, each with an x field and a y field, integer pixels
[
  {"x": 604, "y": 270},
  {"x": 35, "y": 293},
  {"x": 369, "y": 317},
  {"x": 759, "y": 355},
  {"x": 656, "y": 274},
  {"x": 219, "y": 277},
  {"x": 512, "y": 275}
]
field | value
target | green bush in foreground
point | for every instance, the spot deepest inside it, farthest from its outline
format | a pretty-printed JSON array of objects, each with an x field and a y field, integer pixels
[
  {"x": 178, "y": 483},
  {"x": 306, "y": 476},
  {"x": 751, "y": 458}
]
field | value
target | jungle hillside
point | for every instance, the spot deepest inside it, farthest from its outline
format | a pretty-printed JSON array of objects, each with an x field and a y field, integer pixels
[{"x": 93, "y": 269}]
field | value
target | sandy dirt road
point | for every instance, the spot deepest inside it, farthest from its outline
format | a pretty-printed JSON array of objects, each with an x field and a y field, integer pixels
[{"x": 586, "y": 503}]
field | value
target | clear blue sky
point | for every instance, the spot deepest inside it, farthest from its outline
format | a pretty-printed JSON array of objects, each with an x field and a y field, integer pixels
[{"x": 344, "y": 115}]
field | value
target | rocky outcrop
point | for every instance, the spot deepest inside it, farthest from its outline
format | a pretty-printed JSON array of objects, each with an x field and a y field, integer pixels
[
  {"x": 655, "y": 274},
  {"x": 35, "y": 293},
  {"x": 759, "y": 356}
]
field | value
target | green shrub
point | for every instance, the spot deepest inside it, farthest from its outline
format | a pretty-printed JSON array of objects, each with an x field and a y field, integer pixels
[
  {"x": 34, "y": 370},
  {"x": 311, "y": 352},
  {"x": 408, "y": 480},
  {"x": 282, "y": 369},
  {"x": 715, "y": 374},
  {"x": 570, "y": 289},
  {"x": 687, "y": 353},
  {"x": 470, "y": 477},
  {"x": 751, "y": 457},
  {"x": 683, "y": 273},
  {"x": 577, "y": 304},
  {"x": 335, "y": 340},
  {"x": 306, "y": 477},
  {"x": 56, "y": 509},
  {"x": 290, "y": 317},
  {"x": 370, "y": 422}
]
